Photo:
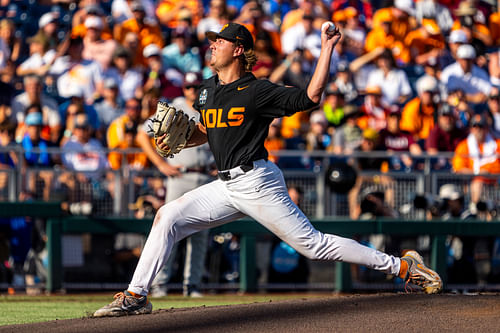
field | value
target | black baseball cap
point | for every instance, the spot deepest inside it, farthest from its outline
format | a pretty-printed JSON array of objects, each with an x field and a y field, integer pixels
[{"x": 233, "y": 32}]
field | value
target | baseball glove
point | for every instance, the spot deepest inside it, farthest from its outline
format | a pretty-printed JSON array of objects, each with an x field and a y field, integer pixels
[{"x": 176, "y": 124}]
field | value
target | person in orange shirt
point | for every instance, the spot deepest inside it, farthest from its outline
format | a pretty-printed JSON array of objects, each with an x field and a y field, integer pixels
[
  {"x": 479, "y": 153},
  {"x": 171, "y": 12},
  {"x": 419, "y": 114},
  {"x": 494, "y": 25},
  {"x": 116, "y": 130},
  {"x": 400, "y": 18},
  {"x": 274, "y": 141},
  {"x": 92, "y": 10},
  {"x": 373, "y": 112},
  {"x": 425, "y": 42},
  {"x": 148, "y": 33},
  {"x": 136, "y": 161}
]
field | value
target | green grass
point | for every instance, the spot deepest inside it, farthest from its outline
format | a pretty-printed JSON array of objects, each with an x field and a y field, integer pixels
[{"x": 33, "y": 309}]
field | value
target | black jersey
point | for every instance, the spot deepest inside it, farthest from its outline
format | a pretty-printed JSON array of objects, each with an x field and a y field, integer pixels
[{"x": 237, "y": 116}]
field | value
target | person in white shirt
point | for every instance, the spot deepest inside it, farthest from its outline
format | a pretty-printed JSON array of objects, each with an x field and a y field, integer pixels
[
  {"x": 466, "y": 76},
  {"x": 73, "y": 72},
  {"x": 41, "y": 57},
  {"x": 33, "y": 95},
  {"x": 94, "y": 47},
  {"x": 393, "y": 81},
  {"x": 216, "y": 18},
  {"x": 294, "y": 38}
]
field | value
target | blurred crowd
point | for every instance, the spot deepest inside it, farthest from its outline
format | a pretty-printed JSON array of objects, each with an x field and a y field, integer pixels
[{"x": 409, "y": 77}]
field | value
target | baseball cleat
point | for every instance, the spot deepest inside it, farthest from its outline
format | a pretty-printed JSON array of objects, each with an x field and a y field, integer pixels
[
  {"x": 125, "y": 304},
  {"x": 420, "y": 275}
]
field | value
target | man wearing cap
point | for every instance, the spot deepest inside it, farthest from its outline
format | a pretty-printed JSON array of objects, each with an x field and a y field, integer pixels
[
  {"x": 32, "y": 140},
  {"x": 94, "y": 47},
  {"x": 419, "y": 113},
  {"x": 347, "y": 137},
  {"x": 40, "y": 59},
  {"x": 373, "y": 112},
  {"x": 477, "y": 32},
  {"x": 148, "y": 33},
  {"x": 479, "y": 153},
  {"x": 236, "y": 111},
  {"x": 155, "y": 75},
  {"x": 464, "y": 74},
  {"x": 48, "y": 27}
]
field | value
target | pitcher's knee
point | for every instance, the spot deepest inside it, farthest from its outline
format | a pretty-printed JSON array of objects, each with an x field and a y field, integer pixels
[{"x": 166, "y": 219}]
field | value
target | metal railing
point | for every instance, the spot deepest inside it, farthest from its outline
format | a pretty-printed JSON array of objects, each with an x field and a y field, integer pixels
[{"x": 115, "y": 192}]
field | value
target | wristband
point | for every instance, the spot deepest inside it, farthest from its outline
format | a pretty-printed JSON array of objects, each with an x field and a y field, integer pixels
[{"x": 153, "y": 75}]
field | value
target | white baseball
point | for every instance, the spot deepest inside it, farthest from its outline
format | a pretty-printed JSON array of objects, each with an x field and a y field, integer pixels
[{"x": 331, "y": 27}]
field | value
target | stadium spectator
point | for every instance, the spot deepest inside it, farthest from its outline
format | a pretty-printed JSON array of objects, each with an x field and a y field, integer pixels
[
  {"x": 147, "y": 32},
  {"x": 73, "y": 72},
  {"x": 274, "y": 141},
  {"x": 294, "y": 16},
  {"x": 494, "y": 110},
  {"x": 121, "y": 70},
  {"x": 111, "y": 106},
  {"x": 49, "y": 107},
  {"x": 12, "y": 42},
  {"x": 215, "y": 19},
  {"x": 478, "y": 154},
  {"x": 267, "y": 56},
  {"x": 373, "y": 111},
  {"x": 400, "y": 20},
  {"x": 294, "y": 38},
  {"x": 467, "y": 76},
  {"x": 116, "y": 130},
  {"x": 333, "y": 105},
  {"x": 40, "y": 59},
  {"x": 419, "y": 113},
  {"x": 347, "y": 137},
  {"x": 33, "y": 140},
  {"x": 394, "y": 139},
  {"x": 433, "y": 9},
  {"x": 82, "y": 153},
  {"x": 345, "y": 83},
  {"x": 476, "y": 31},
  {"x": 134, "y": 161},
  {"x": 425, "y": 42},
  {"x": 180, "y": 55},
  {"x": 445, "y": 136},
  {"x": 455, "y": 39},
  {"x": 121, "y": 10},
  {"x": 354, "y": 32},
  {"x": 317, "y": 137},
  {"x": 171, "y": 12},
  {"x": 48, "y": 27},
  {"x": 392, "y": 80},
  {"x": 76, "y": 98},
  {"x": 95, "y": 48},
  {"x": 155, "y": 74},
  {"x": 494, "y": 67},
  {"x": 89, "y": 9},
  {"x": 8, "y": 159},
  {"x": 369, "y": 143}
]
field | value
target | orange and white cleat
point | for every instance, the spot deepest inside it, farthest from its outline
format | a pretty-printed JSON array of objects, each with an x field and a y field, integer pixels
[{"x": 420, "y": 275}]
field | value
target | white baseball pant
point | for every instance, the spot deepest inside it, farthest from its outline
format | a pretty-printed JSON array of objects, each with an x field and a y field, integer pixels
[{"x": 261, "y": 194}]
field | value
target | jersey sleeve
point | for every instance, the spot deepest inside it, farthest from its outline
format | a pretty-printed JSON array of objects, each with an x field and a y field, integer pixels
[{"x": 274, "y": 100}]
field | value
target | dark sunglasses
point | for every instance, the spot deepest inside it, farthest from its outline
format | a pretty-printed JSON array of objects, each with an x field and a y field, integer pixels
[
  {"x": 192, "y": 87},
  {"x": 132, "y": 107},
  {"x": 497, "y": 97}
]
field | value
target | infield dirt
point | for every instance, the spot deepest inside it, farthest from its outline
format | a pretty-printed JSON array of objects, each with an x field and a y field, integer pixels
[{"x": 349, "y": 313}]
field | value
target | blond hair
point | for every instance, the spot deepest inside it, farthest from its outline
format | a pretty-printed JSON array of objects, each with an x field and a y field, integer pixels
[{"x": 248, "y": 59}]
